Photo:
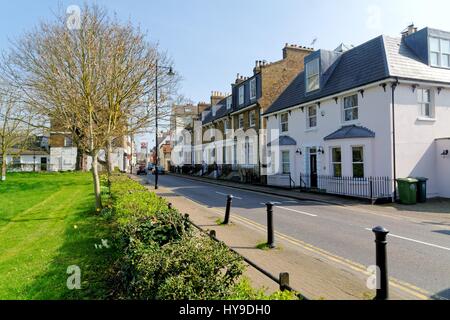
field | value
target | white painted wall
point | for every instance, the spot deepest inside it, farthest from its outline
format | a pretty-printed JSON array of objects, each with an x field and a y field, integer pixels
[
  {"x": 63, "y": 159},
  {"x": 374, "y": 113},
  {"x": 28, "y": 162},
  {"x": 418, "y": 155},
  {"x": 416, "y": 147},
  {"x": 443, "y": 167},
  {"x": 117, "y": 159}
]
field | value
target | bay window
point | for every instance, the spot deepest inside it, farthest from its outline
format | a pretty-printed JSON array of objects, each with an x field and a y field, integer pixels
[
  {"x": 285, "y": 161},
  {"x": 336, "y": 162},
  {"x": 358, "y": 162}
]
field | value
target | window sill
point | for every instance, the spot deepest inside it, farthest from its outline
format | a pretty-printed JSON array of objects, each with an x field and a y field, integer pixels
[
  {"x": 312, "y": 129},
  {"x": 351, "y": 123},
  {"x": 425, "y": 119}
]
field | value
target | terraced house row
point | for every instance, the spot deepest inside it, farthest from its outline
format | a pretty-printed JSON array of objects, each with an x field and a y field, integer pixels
[{"x": 345, "y": 121}]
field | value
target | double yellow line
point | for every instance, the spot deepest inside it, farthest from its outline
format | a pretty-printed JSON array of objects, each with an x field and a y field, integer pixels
[
  {"x": 408, "y": 288},
  {"x": 401, "y": 285}
]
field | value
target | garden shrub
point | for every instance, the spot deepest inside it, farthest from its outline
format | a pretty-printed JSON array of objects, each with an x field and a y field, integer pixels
[
  {"x": 193, "y": 268},
  {"x": 161, "y": 258},
  {"x": 244, "y": 291}
]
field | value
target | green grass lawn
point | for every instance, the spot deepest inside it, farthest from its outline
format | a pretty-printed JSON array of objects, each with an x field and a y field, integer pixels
[{"x": 48, "y": 223}]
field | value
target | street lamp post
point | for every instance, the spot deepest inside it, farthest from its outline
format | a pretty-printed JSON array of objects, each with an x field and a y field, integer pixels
[{"x": 170, "y": 73}]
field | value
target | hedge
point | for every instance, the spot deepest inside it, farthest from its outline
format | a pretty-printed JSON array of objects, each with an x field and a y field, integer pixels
[{"x": 162, "y": 258}]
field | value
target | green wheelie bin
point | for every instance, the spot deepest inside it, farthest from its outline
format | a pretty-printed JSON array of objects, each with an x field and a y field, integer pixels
[
  {"x": 421, "y": 189},
  {"x": 407, "y": 188}
]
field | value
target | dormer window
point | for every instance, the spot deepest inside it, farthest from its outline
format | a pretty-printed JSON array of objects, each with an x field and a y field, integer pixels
[
  {"x": 312, "y": 75},
  {"x": 241, "y": 95},
  {"x": 439, "y": 52},
  {"x": 253, "y": 89},
  {"x": 229, "y": 102}
]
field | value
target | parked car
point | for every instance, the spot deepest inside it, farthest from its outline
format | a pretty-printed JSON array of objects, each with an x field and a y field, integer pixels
[
  {"x": 142, "y": 170},
  {"x": 160, "y": 170},
  {"x": 150, "y": 167}
]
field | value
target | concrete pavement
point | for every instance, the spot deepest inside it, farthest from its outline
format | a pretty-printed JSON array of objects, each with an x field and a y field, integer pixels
[{"x": 333, "y": 234}]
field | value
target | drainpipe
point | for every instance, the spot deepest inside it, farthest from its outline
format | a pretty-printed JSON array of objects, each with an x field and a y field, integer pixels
[
  {"x": 259, "y": 143},
  {"x": 394, "y": 86}
]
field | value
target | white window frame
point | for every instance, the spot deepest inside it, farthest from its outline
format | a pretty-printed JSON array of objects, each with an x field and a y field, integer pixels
[
  {"x": 284, "y": 125},
  {"x": 241, "y": 91},
  {"x": 309, "y": 117},
  {"x": 344, "y": 119},
  {"x": 253, "y": 89},
  {"x": 287, "y": 163},
  {"x": 358, "y": 162},
  {"x": 241, "y": 118},
  {"x": 333, "y": 162},
  {"x": 252, "y": 118},
  {"x": 229, "y": 102},
  {"x": 423, "y": 104},
  {"x": 310, "y": 75},
  {"x": 441, "y": 55}
]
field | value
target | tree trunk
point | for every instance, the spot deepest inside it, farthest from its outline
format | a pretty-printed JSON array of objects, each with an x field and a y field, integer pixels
[
  {"x": 108, "y": 153},
  {"x": 95, "y": 175},
  {"x": 3, "y": 167}
]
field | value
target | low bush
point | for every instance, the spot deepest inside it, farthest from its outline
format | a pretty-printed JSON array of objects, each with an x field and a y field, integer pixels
[
  {"x": 161, "y": 258},
  {"x": 193, "y": 268}
]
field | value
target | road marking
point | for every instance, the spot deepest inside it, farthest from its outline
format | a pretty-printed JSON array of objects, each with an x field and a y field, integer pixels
[
  {"x": 416, "y": 241},
  {"x": 226, "y": 195},
  {"x": 404, "y": 286},
  {"x": 293, "y": 210},
  {"x": 292, "y": 201}
]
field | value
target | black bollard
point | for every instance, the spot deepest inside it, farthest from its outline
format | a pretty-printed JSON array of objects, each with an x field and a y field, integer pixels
[
  {"x": 381, "y": 261},
  {"x": 228, "y": 209},
  {"x": 270, "y": 238},
  {"x": 213, "y": 234},
  {"x": 284, "y": 281},
  {"x": 169, "y": 205}
]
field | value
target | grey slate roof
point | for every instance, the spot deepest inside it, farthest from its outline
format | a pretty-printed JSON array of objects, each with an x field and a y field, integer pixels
[
  {"x": 350, "y": 132},
  {"x": 380, "y": 58},
  {"x": 404, "y": 63},
  {"x": 220, "y": 113},
  {"x": 283, "y": 141}
]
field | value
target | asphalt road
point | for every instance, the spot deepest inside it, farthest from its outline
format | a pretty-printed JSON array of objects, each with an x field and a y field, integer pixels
[{"x": 418, "y": 252}]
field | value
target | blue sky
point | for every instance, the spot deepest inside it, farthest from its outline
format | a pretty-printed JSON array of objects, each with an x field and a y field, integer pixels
[{"x": 211, "y": 41}]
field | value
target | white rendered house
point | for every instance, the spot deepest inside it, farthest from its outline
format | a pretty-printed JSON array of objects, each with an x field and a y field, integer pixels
[{"x": 381, "y": 109}]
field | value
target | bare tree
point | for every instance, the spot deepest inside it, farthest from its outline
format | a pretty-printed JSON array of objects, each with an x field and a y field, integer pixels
[
  {"x": 94, "y": 81},
  {"x": 15, "y": 126},
  {"x": 130, "y": 83}
]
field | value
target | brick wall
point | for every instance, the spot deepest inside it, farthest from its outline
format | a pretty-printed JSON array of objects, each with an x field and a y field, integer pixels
[{"x": 277, "y": 76}]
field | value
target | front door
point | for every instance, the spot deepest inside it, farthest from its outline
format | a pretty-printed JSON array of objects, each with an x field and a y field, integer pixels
[
  {"x": 43, "y": 164},
  {"x": 313, "y": 168}
]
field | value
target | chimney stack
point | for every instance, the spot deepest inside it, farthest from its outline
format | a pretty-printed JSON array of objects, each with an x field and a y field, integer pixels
[
  {"x": 291, "y": 50},
  {"x": 216, "y": 97},
  {"x": 409, "y": 30}
]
